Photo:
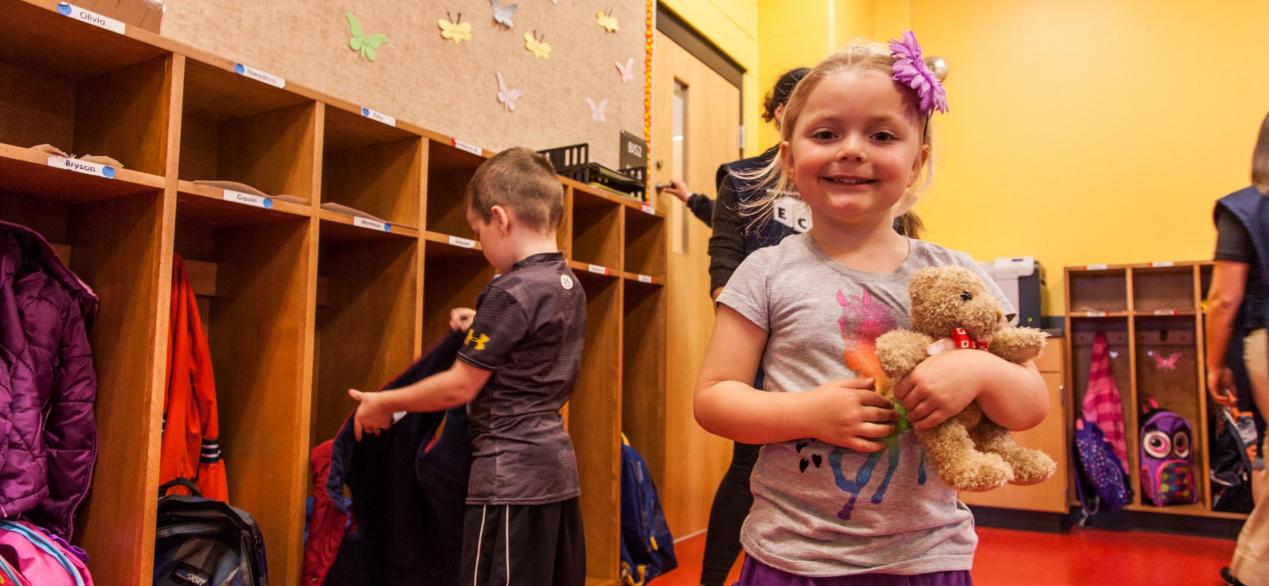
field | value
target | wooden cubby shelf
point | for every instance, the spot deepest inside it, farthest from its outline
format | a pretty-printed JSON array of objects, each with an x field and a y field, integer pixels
[{"x": 299, "y": 303}]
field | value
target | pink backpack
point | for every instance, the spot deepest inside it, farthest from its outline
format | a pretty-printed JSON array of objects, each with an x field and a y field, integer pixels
[{"x": 36, "y": 558}]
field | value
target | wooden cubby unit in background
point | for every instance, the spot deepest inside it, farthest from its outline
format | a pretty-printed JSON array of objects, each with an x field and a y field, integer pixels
[
  {"x": 448, "y": 171},
  {"x": 257, "y": 326},
  {"x": 645, "y": 243},
  {"x": 367, "y": 317},
  {"x": 643, "y": 374},
  {"x": 372, "y": 167},
  {"x": 1154, "y": 323},
  {"x": 597, "y": 228}
]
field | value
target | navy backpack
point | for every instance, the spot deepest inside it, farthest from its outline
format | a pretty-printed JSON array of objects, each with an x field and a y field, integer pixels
[{"x": 647, "y": 548}]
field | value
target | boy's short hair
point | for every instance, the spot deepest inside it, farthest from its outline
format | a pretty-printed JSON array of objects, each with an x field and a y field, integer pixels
[{"x": 522, "y": 181}]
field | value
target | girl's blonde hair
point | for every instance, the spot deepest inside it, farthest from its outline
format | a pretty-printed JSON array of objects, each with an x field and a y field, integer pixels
[
  {"x": 774, "y": 183},
  {"x": 1259, "y": 160}
]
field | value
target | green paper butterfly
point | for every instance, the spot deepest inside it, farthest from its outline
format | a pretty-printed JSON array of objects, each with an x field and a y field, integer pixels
[{"x": 360, "y": 42}]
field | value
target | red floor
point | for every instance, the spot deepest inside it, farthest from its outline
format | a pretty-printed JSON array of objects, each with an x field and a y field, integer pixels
[{"x": 1082, "y": 557}]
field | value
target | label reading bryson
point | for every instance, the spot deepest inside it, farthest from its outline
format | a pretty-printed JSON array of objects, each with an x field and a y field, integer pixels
[{"x": 78, "y": 166}]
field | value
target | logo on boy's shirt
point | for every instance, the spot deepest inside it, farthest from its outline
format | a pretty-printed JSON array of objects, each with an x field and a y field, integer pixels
[
  {"x": 793, "y": 212},
  {"x": 479, "y": 340}
]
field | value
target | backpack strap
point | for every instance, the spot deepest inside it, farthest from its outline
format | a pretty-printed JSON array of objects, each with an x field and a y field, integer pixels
[{"x": 181, "y": 482}]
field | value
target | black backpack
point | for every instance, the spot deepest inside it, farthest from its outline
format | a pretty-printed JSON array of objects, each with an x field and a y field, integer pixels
[{"x": 202, "y": 542}]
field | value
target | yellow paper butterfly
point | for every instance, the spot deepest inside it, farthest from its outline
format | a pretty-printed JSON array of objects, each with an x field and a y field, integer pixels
[
  {"x": 607, "y": 20},
  {"x": 533, "y": 42},
  {"x": 457, "y": 30}
]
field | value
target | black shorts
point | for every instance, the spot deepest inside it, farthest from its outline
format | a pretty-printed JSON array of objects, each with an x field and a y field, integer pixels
[{"x": 524, "y": 545}]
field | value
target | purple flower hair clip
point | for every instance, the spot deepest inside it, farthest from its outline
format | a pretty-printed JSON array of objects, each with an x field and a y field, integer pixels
[{"x": 910, "y": 70}]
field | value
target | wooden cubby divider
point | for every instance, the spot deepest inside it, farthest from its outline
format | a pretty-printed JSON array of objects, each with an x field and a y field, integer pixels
[{"x": 299, "y": 303}]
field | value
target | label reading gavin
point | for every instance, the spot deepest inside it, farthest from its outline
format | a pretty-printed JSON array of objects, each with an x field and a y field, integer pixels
[
  {"x": 90, "y": 17},
  {"x": 361, "y": 222},
  {"x": 597, "y": 269},
  {"x": 467, "y": 146},
  {"x": 462, "y": 242},
  {"x": 248, "y": 199},
  {"x": 78, "y": 166},
  {"x": 644, "y": 279},
  {"x": 1100, "y": 267},
  {"x": 259, "y": 76},
  {"x": 647, "y": 209},
  {"x": 379, "y": 116},
  {"x": 1161, "y": 264}
]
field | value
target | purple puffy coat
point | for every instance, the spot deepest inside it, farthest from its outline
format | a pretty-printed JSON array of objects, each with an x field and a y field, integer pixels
[{"x": 48, "y": 437}]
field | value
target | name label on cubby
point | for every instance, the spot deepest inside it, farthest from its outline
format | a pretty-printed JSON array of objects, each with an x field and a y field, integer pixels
[
  {"x": 248, "y": 199},
  {"x": 644, "y": 279},
  {"x": 462, "y": 242},
  {"x": 259, "y": 76},
  {"x": 369, "y": 224},
  {"x": 467, "y": 146},
  {"x": 1165, "y": 312},
  {"x": 90, "y": 17},
  {"x": 1158, "y": 264},
  {"x": 379, "y": 117},
  {"x": 1097, "y": 267},
  {"x": 1095, "y": 313},
  {"x": 647, "y": 209},
  {"x": 78, "y": 166},
  {"x": 597, "y": 269}
]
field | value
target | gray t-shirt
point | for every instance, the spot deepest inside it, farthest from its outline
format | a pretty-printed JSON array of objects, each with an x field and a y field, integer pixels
[{"x": 820, "y": 510}]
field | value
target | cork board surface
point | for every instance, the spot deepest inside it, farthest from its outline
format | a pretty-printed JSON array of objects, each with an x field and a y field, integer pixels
[{"x": 420, "y": 77}]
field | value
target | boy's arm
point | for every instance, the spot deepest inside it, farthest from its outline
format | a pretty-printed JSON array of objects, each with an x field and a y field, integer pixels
[{"x": 443, "y": 390}]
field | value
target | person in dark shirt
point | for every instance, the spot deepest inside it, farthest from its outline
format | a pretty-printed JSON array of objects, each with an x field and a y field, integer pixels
[
  {"x": 517, "y": 367},
  {"x": 1240, "y": 280}
]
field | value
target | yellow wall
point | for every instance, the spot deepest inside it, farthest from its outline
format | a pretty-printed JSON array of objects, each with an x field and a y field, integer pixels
[
  {"x": 732, "y": 25},
  {"x": 1086, "y": 131}
]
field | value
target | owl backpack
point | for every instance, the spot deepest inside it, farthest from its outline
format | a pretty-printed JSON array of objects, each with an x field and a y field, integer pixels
[{"x": 1167, "y": 460}]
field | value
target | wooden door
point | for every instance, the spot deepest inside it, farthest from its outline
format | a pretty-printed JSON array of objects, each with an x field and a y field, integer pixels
[{"x": 696, "y": 114}]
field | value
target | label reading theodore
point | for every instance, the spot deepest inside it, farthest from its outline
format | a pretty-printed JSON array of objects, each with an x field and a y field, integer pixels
[
  {"x": 78, "y": 166},
  {"x": 259, "y": 76}
]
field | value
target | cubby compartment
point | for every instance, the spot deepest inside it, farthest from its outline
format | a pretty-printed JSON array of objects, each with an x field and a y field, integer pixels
[
  {"x": 453, "y": 276},
  {"x": 594, "y": 419},
  {"x": 1082, "y": 334},
  {"x": 367, "y": 318},
  {"x": 113, "y": 246},
  {"x": 448, "y": 172},
  {"x": 82, "y": 89},
  {"x": 1163, "y": 290},
  {"x": 372, "y": 167},
  {"x": 237, "y": 129},
  {"x": 1168, "y": 371},
  {"x": 257, "y": 319},
  {"x": 1097, "y": 292},
  {"x": 645, "y": 243},
  {"x": 597, "y": 229},
  {"x": 643, "y": 373}
]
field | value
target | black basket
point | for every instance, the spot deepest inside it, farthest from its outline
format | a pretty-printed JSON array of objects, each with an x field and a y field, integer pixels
[{"x": 573, "y": 161}]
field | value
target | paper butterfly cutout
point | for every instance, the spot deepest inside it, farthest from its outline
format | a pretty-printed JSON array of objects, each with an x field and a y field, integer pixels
[
  {"x": 597, "y": 110},
  {"x": 626, "y": 71},
  {"x": 457, "y": 30},
  {"x": 533, "y": 42},
  {"x": 1162, "y": 363},
  {"x": 504, "y": 12},
  {"x": 607, "y": 20},
  {"x": 360, "y": 42},
  {"x": 505, "y": 96}
]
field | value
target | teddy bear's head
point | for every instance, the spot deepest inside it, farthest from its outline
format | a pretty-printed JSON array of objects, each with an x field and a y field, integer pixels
[{"x": 948, "y": 297}]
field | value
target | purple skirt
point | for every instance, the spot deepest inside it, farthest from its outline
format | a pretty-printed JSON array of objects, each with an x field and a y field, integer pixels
[{"x": 756, "y": 573}]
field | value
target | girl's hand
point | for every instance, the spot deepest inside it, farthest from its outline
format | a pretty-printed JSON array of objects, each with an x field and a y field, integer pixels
[
  {"x": 943, "y": 385},
  {"x": 848, "y": 413},
  {"x": 460, "y": 318},
  {"x": 1220, "y": 385},
  {"x": 372, "y": 417}
]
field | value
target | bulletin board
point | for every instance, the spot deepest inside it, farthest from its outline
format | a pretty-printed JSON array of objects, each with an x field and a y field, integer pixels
[{"x": 576, "y": 93}]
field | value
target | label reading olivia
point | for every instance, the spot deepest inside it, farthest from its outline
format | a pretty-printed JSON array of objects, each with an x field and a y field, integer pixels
[
  {"x": 462, "y": 242},
  {"x": 379, "y": 116},
  {"x": 90, "y": 17},
  {"x": 369, "y": 224},
  {"x": 78, "y": 166},
  {"x": 248, "y": 199},
  {"x": 259, "y": 76},
  {"x": 467, "y": 146}
]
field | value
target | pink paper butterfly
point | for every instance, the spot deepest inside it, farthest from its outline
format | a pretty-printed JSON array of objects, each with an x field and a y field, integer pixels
[{"x": 1162, "y": 363}]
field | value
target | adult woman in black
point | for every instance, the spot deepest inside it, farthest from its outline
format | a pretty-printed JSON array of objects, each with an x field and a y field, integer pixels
[{"x": 1240, "y": 279}]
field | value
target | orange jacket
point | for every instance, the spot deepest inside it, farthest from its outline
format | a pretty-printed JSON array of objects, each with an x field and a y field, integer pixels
[{"x": 191, "y": 430}]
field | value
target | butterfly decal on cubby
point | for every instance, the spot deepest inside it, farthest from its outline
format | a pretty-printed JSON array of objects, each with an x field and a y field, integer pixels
[
  {"x": 1162, "y": 362},
  {"x": 534, "y": 43},
  {"x": 626, "y": 71},
  {"x": 597, "y": 110},
  {"x": 606, "y": 20},
  {"x": 507, "y": 97},
  {"x": 503, "y": 13},
  {"x": 455, "y": 30},
  {"x": 360, "y": 41}
]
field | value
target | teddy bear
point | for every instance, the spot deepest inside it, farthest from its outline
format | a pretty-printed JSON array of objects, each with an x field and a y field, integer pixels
[{"x": 952, "y": 308}]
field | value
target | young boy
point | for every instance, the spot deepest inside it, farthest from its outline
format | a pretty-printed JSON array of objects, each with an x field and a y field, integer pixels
[{"x": 517, "y": 368}]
